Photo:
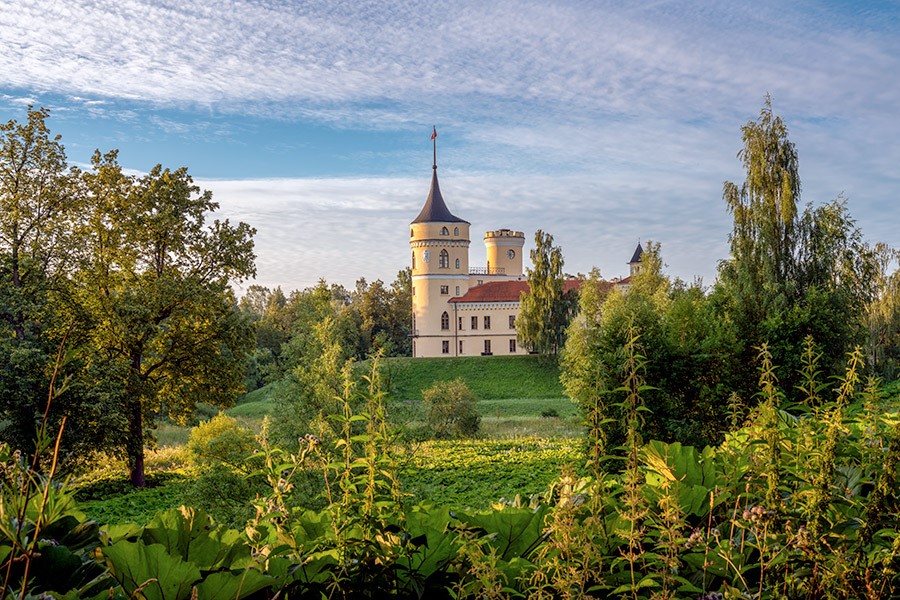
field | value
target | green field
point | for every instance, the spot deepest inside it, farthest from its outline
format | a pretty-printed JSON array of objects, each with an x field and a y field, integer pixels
[
  {"x": 518, "y": 395},
  {"x": 529, "y": 430},
  {"x": 489, "y": 377}
]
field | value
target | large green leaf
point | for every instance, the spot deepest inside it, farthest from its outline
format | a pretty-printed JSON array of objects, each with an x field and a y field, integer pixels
[
  {"x": 226, "y": 584},
  {"x": 158, "y": 574},
  {"x": 435, "y": 545},
  {"x": 515, "y": 532},
  {"x": 690, "y": 474},
  {"x": 191, "y": 534}
]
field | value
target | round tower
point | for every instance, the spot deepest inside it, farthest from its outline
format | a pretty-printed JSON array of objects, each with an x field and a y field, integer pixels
[
  {"x": 439, "y": 242},
  {"x": 504, "y": 252}
]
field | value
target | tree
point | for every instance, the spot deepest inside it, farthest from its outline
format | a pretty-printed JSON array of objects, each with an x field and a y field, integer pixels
[
  {"x": 36, "y": 211},
  {"x": 161, "y": 320},
  {"x": 546, "y": 308},
  {"x": 686, "y": 350},
  {"x": 883, "y": 316},
  {"x": 790, "y": 273},
  {"x": 452, "y": 409}
]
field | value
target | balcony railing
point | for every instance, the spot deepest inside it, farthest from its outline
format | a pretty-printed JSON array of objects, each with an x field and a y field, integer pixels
[{"x": 487, "y": 271}]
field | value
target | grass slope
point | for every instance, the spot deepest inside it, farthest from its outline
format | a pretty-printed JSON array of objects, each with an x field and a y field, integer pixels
[{"x": 489, "y": 377}]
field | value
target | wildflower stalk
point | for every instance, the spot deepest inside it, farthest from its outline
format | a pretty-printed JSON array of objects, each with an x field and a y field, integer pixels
[
  {"x": 824, "y": 470},
  {"x": 771, "y": 431},
  {"x": 635, "y": 507}
]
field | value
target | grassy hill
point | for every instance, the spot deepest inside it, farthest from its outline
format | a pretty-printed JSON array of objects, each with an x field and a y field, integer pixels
[
  {"x": 514, "y": 392},
  {"x": 489, "y": 377}
]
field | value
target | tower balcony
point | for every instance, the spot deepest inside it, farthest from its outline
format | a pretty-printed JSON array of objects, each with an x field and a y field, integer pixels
[{"x": 487, "y": 271}]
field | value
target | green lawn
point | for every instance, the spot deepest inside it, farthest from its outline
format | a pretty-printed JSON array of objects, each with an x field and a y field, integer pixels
[{"x": 489, "y": 377}]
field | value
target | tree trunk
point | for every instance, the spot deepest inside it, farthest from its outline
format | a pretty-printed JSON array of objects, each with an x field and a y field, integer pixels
[
  {"x": 136, "y": 423},
  {"x": 136, "y": 443}
]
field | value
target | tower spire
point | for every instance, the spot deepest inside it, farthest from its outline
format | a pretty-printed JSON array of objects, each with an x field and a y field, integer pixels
[{"x": 434, "y": 141}]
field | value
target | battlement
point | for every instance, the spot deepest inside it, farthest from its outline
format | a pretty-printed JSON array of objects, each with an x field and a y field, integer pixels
[{"x": 503, "y": 233}]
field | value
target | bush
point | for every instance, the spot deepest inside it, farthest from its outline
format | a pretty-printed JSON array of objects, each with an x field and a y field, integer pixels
[
  {"x": 225, "y": 495},
  {"x": 221, "y": 441},
  {"x": 452, "y": 409}
]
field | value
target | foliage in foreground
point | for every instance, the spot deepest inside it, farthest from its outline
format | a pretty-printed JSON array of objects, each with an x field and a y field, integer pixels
[{"x": 791, "y": 505}]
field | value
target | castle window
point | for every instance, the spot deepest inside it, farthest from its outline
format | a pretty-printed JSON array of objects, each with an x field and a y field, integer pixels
[
  {"x": 487, "y": 322},
  {"x": 512, "y": 346},
  {"x": 456, "y": 231},
  {"x": 414, "y": 260},
  {"x": 460, "y": 324},
  {"x": 445, "y": 231},
  {"x": 460, "y": 346},
  {"x": 410, "y": 233},
  {"x": 487, "y": 347},
  {"x": 457, "y": 290},
  {"x": 445, "y": 290},
  {"x": 445, "y": 347},
  {"x": 457, "y": 263},
  {"x": 512, "y": 321},
  {"x": 474, "y": 323},
  {"x": 445, "y": 320},
  {"x": 444, "y": 260}
]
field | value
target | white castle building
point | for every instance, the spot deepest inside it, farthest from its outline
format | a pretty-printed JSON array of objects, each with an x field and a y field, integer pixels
[{"x": 458, "y": 310}]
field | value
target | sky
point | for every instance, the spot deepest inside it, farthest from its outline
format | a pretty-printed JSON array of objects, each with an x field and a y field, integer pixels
[{"x": 601, "y": 123}]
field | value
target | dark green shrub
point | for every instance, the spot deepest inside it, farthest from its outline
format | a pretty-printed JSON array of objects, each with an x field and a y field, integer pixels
[
  {"x": 452, "y": 409},
  {"x": 224, "y": 494},
  {"x": 550, "y": 413}
]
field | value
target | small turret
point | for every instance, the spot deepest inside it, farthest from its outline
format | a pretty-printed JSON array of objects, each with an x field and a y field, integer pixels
[
  {"x": 504, "y": 252},
  {"x": 634, "y": 265}
]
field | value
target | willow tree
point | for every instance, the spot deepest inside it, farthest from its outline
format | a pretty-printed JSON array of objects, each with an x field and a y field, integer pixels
[
  {"x": 546, "y": 308},
  {"x": 791, "y": 273}
]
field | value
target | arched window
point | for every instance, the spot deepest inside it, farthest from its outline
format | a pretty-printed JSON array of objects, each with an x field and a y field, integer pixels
[
  {"x": 445, "y": 260},
  {"x": 445, "y": 231},
  {"x": 445, "y": 320},
  {"x": 410, "y": 233},
  {"x": 457, "y": 263},
  {"x": 456, "y": 231},
  {"x": 414, "y": 260}
]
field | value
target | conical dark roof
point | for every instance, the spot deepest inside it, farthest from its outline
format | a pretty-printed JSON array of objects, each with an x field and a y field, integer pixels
[
  {"x": 636, "y": 257},
  {"x": 435, "y": 211}
]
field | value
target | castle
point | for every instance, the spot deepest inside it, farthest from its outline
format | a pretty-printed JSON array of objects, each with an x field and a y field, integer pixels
[{"x": 463, "y": 311}]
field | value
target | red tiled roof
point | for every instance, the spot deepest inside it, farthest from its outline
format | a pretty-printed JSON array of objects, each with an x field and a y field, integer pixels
[{"x": 505, "y": 291}]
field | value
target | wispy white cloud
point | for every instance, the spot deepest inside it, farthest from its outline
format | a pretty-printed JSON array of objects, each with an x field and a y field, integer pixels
[
  {"x": 599, "y": 121},
  {"x": 335, "y": 57},
  {"x": 341, "y": 229}
]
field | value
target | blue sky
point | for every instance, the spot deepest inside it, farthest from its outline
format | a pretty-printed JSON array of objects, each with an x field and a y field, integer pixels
[{"x": 600, "y": 123}]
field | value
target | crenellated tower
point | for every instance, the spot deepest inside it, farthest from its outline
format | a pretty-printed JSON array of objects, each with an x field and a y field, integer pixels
[{"x": 504, "y": 252}]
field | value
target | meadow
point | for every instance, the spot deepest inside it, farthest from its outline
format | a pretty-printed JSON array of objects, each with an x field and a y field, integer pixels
[
  {"x": 522, "y": 446},
  {"x": 798, "y": 504}
]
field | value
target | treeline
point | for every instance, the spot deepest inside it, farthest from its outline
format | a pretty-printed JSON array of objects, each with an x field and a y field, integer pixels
[
  {"x": 800, "y": 281},
  {"x": 371, "y": 318}
]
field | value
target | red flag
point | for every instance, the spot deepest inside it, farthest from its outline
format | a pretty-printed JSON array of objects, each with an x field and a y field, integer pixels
[{"x": 434, "y": 135}]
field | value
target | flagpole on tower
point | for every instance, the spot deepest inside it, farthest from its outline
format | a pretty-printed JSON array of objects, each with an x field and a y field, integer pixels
[{"x": 434, "y": 140}]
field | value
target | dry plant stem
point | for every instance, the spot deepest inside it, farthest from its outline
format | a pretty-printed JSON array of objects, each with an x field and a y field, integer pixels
[
  {"x": 38, "y": 523},
  {"x": 27, "y": 480},
  {"x": 708, "y": 534}
]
